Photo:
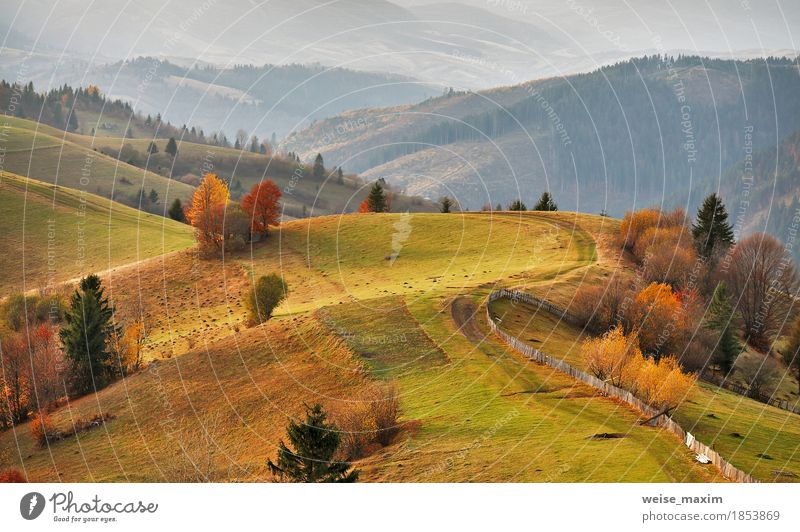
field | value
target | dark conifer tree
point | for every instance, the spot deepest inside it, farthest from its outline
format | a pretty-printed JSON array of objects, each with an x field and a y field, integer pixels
[
  {"x": 711, "y": 230},
  {"x": 445, "y": 204},
  {"x": 153, "y": 196},
  {"x": 720, "y": 318},
  {"x": 517, "y": 205},
  {"x": 319, "y": 167},
  {"x": 176, "y": 211},
  {"x": 376, "y": 200},
  {"x": 546, "y": 203},
  {"x": 311, "y": 459},
  {"x": 172, "y": 147},
  {"x": 85, "y": 334}
]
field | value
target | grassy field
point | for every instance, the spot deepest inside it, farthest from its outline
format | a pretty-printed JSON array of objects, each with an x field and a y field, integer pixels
[
  {"x": 373, "y": 298},
  {"x": 759, "y": 439},
  {"x": 223, "y": 408},
  {"x": 52, "y": 234},
  {"x": 482, "y": 414}
]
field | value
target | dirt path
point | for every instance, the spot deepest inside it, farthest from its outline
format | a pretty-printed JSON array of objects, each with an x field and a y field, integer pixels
[{"x": 464, "y": 313}]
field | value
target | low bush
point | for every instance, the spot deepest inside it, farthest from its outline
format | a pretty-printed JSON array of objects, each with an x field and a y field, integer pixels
[
  {"x": 267, "y": 293},
  {"x": 43, "y": 432},
  {"x": 12, "y": 476},
  {"x": 371, "y": 420}
]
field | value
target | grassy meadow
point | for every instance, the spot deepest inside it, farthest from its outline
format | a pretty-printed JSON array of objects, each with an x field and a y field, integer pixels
[
  {"x": 53, "y": 234},
  {"x": 759, "y": 439},
  {"x": 373, "y": 299}
]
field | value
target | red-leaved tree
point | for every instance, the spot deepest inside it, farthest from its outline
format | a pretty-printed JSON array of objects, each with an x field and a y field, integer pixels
[{"x": 262, "y": 206}]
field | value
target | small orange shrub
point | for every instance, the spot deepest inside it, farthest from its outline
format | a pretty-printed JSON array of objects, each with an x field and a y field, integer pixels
[
  {"x": 10, "y": 476},
  {"x": 43, "y": 431}
]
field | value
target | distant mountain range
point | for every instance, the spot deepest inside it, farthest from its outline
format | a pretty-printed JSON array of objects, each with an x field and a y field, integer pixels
[
  {"x": 467, "y": 44},
  {"x": 259, "y": 100},
  {"x": 642, "y": 132}
]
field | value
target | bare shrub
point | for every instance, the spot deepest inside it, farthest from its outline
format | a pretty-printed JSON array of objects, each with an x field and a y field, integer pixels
[
  {"x": 355, "y": 421},
  {"x": 385, "y": 413},
  {"x": 586, "y": 306},
  {"x": 762, "y": 375},
  {"x": 43, "y": 431},
  {"x": 203, "y": 454},
  {"x": 371, "y": 419},
  {"x": 600, "y": 308},
  {"x": 670, "y": 263},
  {"x": 764, "y": 282},
  {"x": 85, "y": 424}
]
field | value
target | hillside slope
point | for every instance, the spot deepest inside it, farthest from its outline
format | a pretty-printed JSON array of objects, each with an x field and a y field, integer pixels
[
  {"x": 370, "y": 299},
  {"x": 50, "y": 155},
  {"x": 621, "y": 137},
  {"x": 122, "y": 169},
  {"x": 51, "y": 234}
]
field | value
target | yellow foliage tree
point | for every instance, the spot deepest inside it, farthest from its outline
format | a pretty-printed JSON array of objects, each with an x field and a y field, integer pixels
[
  {"x": 617, "y": 358},
  {"x": 128, "y": 347},
  {"x": 613, "y": 356},
  {"x": 658, "y": 316},
  {"x": 206, "y": 212},
  {"x": 134, "y": 339},
  {"x": 662, "y": 384}
]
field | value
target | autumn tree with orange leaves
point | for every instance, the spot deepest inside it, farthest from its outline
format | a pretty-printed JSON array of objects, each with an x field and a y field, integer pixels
[
  {"x": 262, "y": 206},
  {"x": 206, "y": 213},
  {"x": 658, "y": 316}
]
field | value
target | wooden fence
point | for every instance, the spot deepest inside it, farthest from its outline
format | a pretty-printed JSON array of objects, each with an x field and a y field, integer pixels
[
  {"x": 716, "y": 380},
  {"x": 722, "y": 382},
  {"x": 728, "y": 470}
]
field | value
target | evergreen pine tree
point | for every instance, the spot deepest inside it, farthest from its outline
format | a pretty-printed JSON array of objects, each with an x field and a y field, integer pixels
[
  {"x": 711, "y": 230},
  {"x": 314, "y": 444},
  {"x": 172, "y": 147},
  {"x": 152, "y": 148},
  {"x": 153, "y": 196},
  {"x": 176, "y": 211},
  {"x": 319, "y": 167},
  {"x": 546, "y": 203},
  {"x": 517, "y": 205},
  {"x": 340, "y": 176},
  {"x": 376, "y": 200},
  {"x": 445, "y": 204},
  {"x": 72, "y": 122},
  {"x": 720, "y": 317},
  {"x": 85, "y": 334}
]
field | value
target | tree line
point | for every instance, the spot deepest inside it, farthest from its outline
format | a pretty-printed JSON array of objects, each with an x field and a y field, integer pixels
[{"x": 700, "y": 296}]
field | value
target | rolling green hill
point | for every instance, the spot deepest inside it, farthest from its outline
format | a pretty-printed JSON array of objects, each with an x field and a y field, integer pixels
[
  {"x": 121, "y": 169},
  {"x": 52, "y": 234},
  {"x": 372, "y": 298},
  {"x": 50, "y": 155}
]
